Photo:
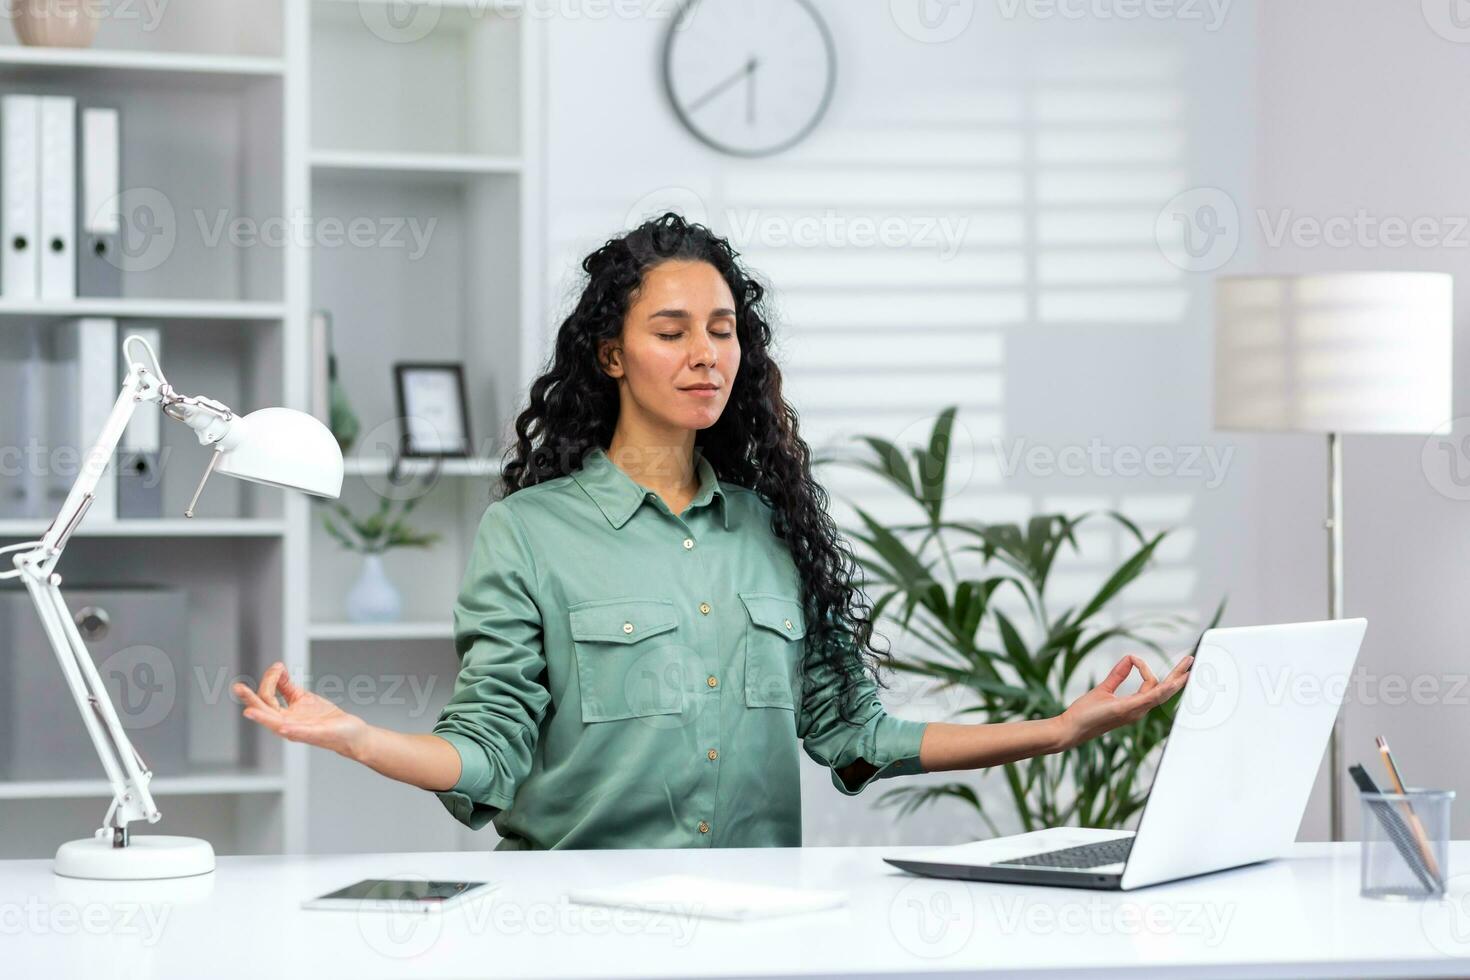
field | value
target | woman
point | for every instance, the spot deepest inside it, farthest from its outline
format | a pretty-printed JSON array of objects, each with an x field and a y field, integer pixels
[{"x": 658, "y": 610}]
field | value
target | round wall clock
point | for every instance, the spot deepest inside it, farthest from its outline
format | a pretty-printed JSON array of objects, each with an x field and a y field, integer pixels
[{"x": 749, "y": 77}]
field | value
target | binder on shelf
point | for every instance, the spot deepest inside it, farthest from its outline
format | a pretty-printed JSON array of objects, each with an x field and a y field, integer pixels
[
  {"x": 20, "y": 276},
  {"x": 85, "y": 384},
  {"x": 58, "y": 221},
  {"x": 99, "y": 184},
  {"x": 22, "y": 374},
  {"x": 139, "y": 455}
]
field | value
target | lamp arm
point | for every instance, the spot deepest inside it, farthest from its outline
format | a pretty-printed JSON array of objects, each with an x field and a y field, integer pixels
[
  {"x": 140, "y": 385},
  {"x": 125, "y": 769}
]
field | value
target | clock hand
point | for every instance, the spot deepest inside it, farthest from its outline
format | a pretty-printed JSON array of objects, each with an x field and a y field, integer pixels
[
  {"x": 750, "y": 92},
  {"x": 722, "y": 86}
]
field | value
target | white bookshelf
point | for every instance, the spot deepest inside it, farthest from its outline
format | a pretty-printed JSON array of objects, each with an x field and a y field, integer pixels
[{"x": 295, "y": 107}]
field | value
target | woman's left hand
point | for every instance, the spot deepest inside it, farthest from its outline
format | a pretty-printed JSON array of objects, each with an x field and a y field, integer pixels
[{"x": 1101, "y": 709}]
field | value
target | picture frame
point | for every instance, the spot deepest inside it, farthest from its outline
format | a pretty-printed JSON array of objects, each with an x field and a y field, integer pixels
[{"x": 433, "y": 409}]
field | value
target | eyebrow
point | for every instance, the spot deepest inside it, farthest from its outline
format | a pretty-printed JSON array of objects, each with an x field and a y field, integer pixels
[{"x": 684, "y": 314}]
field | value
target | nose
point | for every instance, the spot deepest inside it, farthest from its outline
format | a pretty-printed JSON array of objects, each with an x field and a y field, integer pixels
[{"x": 702, "y": 350}]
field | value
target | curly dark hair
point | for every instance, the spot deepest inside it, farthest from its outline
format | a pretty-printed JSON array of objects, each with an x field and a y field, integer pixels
[{"x": 755, "y": 443}]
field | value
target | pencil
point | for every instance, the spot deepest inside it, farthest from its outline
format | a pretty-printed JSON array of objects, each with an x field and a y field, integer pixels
[{"x": 1420, "y": 837}]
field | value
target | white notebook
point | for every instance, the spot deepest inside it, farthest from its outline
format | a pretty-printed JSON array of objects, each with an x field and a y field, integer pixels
[{"x": 710, "y": 897}]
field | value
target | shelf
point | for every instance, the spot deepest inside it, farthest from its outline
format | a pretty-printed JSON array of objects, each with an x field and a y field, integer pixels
[
  {"x": 166, "y": 527},
  {"x": 418, "y": 166},
  {"x": 151, "y": 309},
  {"x": 378, "y": 466},
  {"x": 369, "y": 632},
  {"x": 210, "y": 783},
  {"x": 18, "y": 62}
]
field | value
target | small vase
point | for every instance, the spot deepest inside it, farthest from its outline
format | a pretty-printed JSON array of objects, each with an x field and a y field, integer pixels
[
  {"x": 374, "y": 598},
  {"x": 55, "y": 23}
]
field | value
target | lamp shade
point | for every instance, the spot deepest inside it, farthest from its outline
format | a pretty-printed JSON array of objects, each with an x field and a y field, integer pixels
[
  {"x": 1335, "y": 352},
  {"x": 282, "y": 447}
]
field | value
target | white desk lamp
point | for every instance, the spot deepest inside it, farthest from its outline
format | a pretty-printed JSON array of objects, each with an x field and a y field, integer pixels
[
  {"x": 275, "y": 446},
  {"x": 1334, "y": 353}
]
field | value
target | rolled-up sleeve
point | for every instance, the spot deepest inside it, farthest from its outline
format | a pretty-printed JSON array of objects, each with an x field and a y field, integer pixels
[
  {"x": 500, "y": 695},
  {"x": 889, "y": 744}
]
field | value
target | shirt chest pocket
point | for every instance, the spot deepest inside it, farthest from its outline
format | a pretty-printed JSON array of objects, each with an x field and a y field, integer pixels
[
  {"x": 629, "y": 661},
  {"x": 773, "y": 649}
]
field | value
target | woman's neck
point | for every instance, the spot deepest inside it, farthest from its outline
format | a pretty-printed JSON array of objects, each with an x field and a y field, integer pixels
[{"x": 661, "y": 461}]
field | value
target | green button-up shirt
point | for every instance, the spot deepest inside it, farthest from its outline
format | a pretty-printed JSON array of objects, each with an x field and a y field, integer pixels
[{"x": 630, "y": 677}]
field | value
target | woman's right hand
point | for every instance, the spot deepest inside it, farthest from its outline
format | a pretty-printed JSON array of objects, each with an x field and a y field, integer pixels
[{"x": 306, "y": 717}]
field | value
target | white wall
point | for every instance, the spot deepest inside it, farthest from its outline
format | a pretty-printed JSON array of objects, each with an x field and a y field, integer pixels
[
  {"x": 1053, "y": 141},
  {"x": 1361, "y": 111}
]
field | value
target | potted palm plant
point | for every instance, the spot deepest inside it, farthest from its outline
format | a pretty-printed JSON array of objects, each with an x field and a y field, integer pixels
[{"x": 1017, "y": 664}]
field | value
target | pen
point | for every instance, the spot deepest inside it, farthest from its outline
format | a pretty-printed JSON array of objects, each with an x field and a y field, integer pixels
[{"x": 1395, "y": 827}]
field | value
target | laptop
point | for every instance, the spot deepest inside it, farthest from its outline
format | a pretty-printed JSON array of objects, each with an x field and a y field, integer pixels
[{"x": 1232, "y": 781}]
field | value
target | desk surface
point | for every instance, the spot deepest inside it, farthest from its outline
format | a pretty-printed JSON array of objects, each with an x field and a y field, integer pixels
[{"x": 1299, "y": 917}]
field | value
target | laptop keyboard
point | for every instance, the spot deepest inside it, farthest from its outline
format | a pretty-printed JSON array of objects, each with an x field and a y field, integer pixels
[{"x": 1081, "y": 856}]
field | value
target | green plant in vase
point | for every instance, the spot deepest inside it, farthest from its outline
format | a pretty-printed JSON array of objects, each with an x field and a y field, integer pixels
[
  {"x": 1018, "y": 660},
  {"x": 374, "y": 598}
]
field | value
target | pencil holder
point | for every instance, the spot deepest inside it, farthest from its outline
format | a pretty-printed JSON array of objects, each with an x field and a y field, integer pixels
[{"x": 1406, "y": 843}]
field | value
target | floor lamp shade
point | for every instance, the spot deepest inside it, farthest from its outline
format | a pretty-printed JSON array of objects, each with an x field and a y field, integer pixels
[{"x": 1333, "y": 353}]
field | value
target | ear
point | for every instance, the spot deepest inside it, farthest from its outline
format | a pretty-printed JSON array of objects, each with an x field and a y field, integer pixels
[{"x": 610, "y": 358}]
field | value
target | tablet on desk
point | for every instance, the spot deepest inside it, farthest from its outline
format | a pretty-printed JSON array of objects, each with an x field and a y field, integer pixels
[{"x": 397, "y": 895}]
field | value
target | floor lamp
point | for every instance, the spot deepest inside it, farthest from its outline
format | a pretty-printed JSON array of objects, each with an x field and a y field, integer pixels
[
  {"x": 1335, "y": 353},
  {"x": 275, "y": 446}
]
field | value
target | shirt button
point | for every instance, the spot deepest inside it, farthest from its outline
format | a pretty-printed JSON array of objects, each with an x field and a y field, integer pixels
[
  {"x": 688, "y": 543},
  {"x": 713, "y": 681},
  {"x": 788, "y": 624},
  {"x": 713, "y": 754},
  {"x": 704, "y": 607},
  {"x": 704, "y": 826},
  {"x": 627, "y": 627}
]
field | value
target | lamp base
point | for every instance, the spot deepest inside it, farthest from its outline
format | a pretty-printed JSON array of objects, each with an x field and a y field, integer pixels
[{"x": 145, "y": 857}]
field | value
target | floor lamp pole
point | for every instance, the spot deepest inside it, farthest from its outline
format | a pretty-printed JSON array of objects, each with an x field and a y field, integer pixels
[{"x": 1334, "y": 611}]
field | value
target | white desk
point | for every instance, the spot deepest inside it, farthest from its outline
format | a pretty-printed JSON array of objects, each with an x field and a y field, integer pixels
[{"x": 1292, "y": 918}]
